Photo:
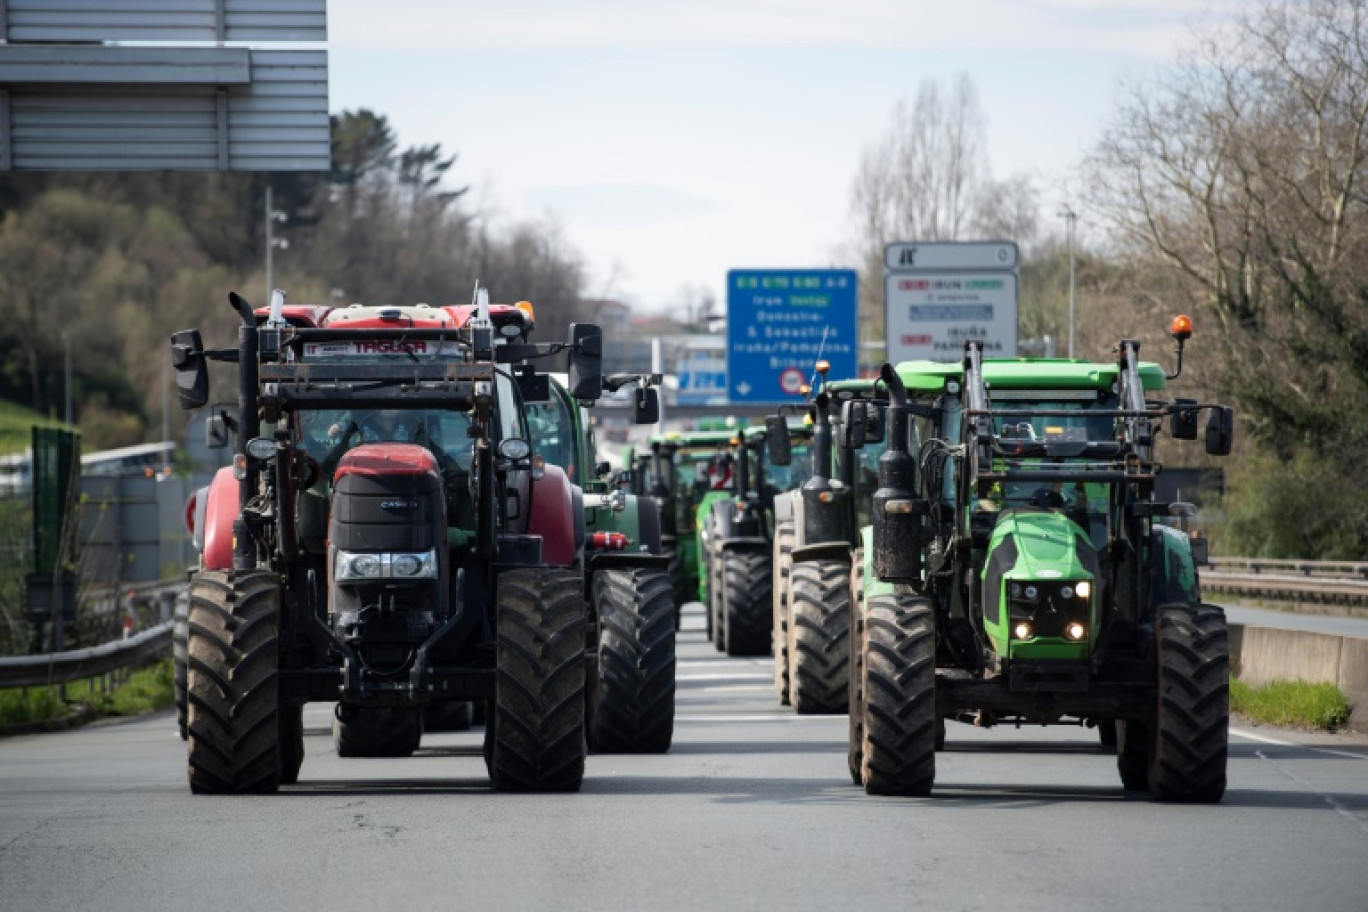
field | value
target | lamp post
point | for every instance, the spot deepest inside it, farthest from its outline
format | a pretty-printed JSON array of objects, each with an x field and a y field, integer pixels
[
  {"x": 1071, "y": 218},
  {"x": 272, "y": 242}
]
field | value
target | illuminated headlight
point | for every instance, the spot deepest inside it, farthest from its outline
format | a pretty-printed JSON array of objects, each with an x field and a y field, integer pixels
[
  {"x": 1022, "y": 631},
  {"x": 1075, "y": 631},
  {"x": 1083, "y": 589},
  {"x": 351, "y": 566}
]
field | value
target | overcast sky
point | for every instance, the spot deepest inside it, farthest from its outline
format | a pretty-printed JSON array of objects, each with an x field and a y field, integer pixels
[{"x": 676, "y": 140}]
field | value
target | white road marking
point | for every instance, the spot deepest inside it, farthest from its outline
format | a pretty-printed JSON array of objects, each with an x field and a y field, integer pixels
[
  {"x": 1329, "y": 799},
  {"x": 1263, "y": 739}
]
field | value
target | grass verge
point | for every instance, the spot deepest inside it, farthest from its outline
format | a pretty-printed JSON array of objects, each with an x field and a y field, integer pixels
[
  {"x": 145, "y": 690},
  {"x": 1300, "y": 704}
]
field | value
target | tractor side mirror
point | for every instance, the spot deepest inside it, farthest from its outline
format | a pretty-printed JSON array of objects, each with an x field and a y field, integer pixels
[
  {"x": 777, "y": 445},
  {"x": 192, "y": 371},
  {"x": 1220, "y": 431},
  {"x": 586, "y": 361},
  {"x": 1183, "y": 422},
  {"x": 874, "y": 422},
  {"x": 854, "y": 421},
  {"x": 647, "y": 409},
  {"x": 216, "y": 431}
]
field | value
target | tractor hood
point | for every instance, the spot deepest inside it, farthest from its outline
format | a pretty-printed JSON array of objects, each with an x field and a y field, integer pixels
[{"x": 1046, "y": 544}]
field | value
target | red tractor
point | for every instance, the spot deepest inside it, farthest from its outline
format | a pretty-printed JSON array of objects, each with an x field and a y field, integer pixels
[{"x": 385, "y": 539}]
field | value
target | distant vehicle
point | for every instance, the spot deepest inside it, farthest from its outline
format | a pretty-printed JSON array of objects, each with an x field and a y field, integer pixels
[{"x": 16, "y": 471}]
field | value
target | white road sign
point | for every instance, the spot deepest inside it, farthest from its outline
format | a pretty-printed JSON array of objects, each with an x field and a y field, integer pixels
[
  {"x": 953, "y": 255},
  {"x": 931, "y": 315}
]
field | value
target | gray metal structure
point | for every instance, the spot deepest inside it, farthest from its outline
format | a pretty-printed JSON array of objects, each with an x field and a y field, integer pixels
[{"x": 72, "y": 99}]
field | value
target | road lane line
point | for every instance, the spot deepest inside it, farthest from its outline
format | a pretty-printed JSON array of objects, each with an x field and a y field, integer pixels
[
  {"x": 1331, "y": 800},
  {"x": 1241, "y": 733}
]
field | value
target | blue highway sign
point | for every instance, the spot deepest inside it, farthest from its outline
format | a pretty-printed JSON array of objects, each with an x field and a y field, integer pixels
[{"x": 780, "y": 321}]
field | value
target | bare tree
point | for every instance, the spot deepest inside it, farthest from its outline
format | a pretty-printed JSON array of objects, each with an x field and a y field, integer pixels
[
  {"x": 1243, "y": 171},
  {"x": 928, "y": 179}
]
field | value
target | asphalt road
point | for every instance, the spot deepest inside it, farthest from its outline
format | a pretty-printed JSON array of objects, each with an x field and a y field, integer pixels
[{"x": 752, "y": 809}]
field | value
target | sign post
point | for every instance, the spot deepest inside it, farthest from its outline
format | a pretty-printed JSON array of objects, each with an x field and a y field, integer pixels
[
  {"x": 780, "y": 322},
  {"x": 940, "y": 295}
]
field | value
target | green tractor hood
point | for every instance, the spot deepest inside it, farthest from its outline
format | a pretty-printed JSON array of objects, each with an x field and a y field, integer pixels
[{"x": 1036, "y": 561}]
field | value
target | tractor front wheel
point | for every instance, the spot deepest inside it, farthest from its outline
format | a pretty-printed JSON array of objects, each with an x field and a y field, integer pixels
[
  {"x": 783, "y": 569},
  {"x": 631, "y": 703},
  {"x": 232, "y": 696},
  {"x": 747, "y": 586},
  {"x": 819, "y": 637},
  {"x": 898, "y": 753},
  {"x": 538, "y": 741},
  {"x": 1191, "y": 728}
]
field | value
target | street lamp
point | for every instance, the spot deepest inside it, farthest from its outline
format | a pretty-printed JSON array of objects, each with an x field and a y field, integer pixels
[
  {"x": 1071, "y": 218},
  {"x": 272, "y": 242}
]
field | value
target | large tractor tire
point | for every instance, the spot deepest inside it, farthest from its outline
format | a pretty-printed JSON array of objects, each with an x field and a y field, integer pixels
[
  {"x": 855, "y": 678},
  {"x": 747, "y": 597},
  {"x": 1191, "y": 728},
  {"x": 898, "y": 751},
  {"x": 1134, "y": 747},
  {"x": 783, "y": 570},
  {"x": 232, "y": 696},
  {"x": 180, "y": 648},
  {"x": 377, "y": 731},
  {"x": 819, "y": 637},
  {"x": 717, "y": 625},
  {"x": 538, "y": 740},
  {"x": 291, "y": 727},
  {"x": 632, "y": 702}
]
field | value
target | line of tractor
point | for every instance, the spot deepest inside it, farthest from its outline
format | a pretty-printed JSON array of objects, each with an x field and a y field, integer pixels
[{"x": 418, "y": 529}]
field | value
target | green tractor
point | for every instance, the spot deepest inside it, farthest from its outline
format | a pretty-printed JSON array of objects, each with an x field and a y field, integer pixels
[
  {"x": 815, "y": 536},
  {"x": 1019, "y": 570},
  {"x": 736, "y": 539},
  {"x": 630, "y": 677},
  {"x": 680, "y": 471}
]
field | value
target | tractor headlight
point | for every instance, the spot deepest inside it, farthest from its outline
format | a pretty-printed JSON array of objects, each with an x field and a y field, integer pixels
[
  {"x": 1083, "y": 589},
  {"x": 353, "y": 567},
  {"x": 358, "y": 566},
  {"x": 1075, "y": 631},
  {"x": 414, "y": 566},
  {"x": 1022, "y": 631}
]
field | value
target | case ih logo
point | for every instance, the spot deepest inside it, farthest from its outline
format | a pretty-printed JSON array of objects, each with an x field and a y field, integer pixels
[{"x": 398, "y": 505}]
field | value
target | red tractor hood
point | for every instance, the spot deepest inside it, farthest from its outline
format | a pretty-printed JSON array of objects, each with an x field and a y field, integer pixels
[{"x": 387, "y": 459}]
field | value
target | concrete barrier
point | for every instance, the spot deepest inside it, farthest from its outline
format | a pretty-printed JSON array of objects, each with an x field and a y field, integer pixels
[{"x": 1263, "y": 654}]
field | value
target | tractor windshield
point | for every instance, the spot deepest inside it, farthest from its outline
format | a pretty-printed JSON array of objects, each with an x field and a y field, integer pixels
[{"x": 323, "y": 430}]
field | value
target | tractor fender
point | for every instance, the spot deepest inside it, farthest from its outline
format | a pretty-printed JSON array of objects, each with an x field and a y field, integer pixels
[
  {"x": 552, "y": 516},
  {"x": 220, "y": 511},
  {"x": 1173, "y": 572}
]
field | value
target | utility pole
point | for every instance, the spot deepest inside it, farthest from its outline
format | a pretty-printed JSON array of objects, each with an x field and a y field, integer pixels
[
  {"x": 1071, "y": 218},
  {"x": 272, "y": 242}
]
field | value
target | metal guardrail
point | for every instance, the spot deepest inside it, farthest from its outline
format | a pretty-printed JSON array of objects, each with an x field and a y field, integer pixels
[
  {"x": 1340, "y": 570},
  {"x": 1340, "y": 583},
  {"x": 77, "y": 664}
]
